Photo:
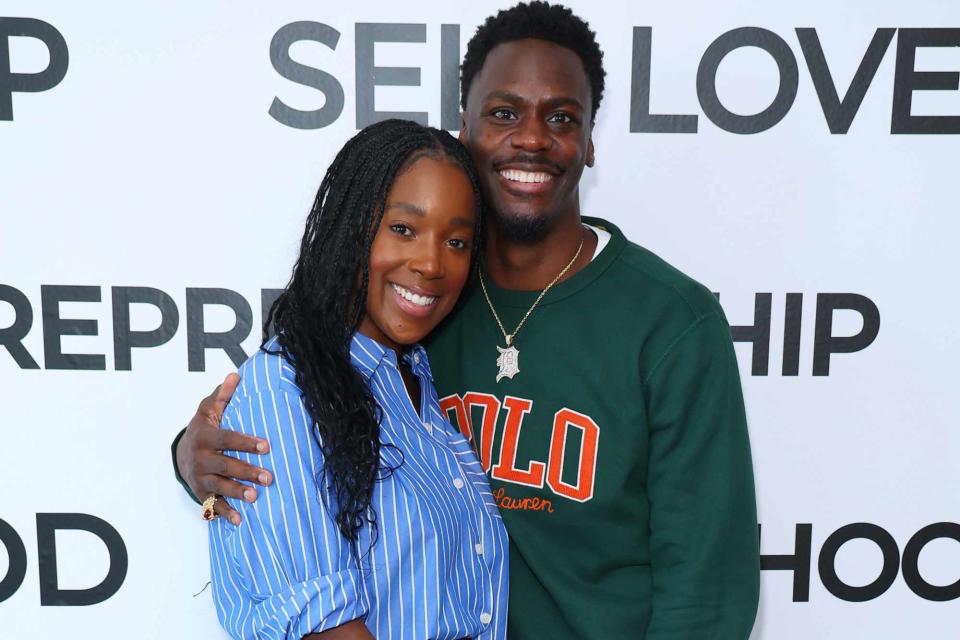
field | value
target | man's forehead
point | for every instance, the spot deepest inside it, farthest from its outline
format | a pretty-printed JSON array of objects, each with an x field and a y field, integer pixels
[{"x": 531, "y": 66}]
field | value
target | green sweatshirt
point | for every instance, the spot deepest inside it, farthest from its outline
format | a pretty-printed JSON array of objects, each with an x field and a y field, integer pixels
[{"x": 618, "y": 454}]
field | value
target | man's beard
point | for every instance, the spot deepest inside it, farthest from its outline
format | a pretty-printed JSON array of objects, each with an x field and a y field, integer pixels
[{"x": 523, "y": 229}]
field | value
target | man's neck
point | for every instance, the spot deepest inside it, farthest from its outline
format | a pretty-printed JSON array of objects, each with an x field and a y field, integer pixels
[{"x": 525, "y": 266}]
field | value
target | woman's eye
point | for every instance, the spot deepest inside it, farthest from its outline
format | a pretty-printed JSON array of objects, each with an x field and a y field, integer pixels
[
  {"x": 401, "y": 229},
  {"x": 456, "y": 243}
]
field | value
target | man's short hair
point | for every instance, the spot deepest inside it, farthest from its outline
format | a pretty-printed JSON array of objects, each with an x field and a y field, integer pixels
[{"x": 542, "y": 21}]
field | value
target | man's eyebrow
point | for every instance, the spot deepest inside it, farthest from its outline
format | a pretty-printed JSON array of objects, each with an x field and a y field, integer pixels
[
  {"x": 513, "y": 98},
  {"x": 563, "y": 101},
  {"x": 408, "y": 207},
  {"x": 506, "y": 96}
]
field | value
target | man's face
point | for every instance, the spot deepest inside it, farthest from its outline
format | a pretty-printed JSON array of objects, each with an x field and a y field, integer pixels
[{"x": 527, "y": 126}]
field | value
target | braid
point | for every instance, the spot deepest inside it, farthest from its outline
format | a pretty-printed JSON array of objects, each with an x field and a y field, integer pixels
[{"x": 324, "y": 302}]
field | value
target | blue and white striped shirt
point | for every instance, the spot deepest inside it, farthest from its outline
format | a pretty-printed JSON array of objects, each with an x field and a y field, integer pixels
[{"x": 439, "y": 566}]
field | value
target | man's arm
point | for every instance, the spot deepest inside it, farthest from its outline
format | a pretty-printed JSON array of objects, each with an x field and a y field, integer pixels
[
  {"x": 704, "y": 546},
  {"x": 286, "y": 571},
  {"x": 198, "y": 459}
]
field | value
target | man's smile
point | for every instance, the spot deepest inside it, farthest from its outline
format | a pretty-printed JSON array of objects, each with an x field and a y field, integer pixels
[
  {"x": 516, "y": 175},
  {"x": 526, "y": 178}
]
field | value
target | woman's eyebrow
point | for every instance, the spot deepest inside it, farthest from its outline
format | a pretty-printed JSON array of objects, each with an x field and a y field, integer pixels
[
  {"x": 420, "y": 212},
  {"x": 415, "y": 209}
]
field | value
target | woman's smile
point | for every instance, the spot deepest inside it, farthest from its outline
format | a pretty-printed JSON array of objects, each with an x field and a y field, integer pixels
[{"x": 414, "y": 303}]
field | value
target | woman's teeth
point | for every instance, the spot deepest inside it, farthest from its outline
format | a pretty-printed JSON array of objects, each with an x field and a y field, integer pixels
[
  {"x": 525, "y": 176},
  {"x": 415, "y": 298}
]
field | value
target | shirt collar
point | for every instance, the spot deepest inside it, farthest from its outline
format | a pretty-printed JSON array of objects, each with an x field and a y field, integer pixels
[
  {"x": 415, "y": 359},
  {"x": 367, "y": 355}
]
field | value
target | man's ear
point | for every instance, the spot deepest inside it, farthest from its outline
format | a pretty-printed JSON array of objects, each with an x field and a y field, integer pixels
[
  {"x": 590, "y": 156},
  {"x": 462, "y": 136}
]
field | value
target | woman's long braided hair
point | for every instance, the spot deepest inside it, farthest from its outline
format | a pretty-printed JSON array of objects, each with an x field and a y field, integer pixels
[{"x": 322, "y": 306}]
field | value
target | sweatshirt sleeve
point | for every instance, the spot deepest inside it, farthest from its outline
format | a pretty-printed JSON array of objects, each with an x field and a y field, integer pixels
[
  {"x": 176, "y": 469},
  {"x": 704, "y": 545}
]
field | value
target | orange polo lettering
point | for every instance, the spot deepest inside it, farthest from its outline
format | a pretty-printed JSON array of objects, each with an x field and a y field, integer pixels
[
  {"x": 506, "y": 468},
  {"x": 521, "y": 504},
  {"x": 562, "y": 420}
]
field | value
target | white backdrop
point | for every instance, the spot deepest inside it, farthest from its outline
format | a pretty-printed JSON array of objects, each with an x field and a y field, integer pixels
[{"x": 154, "y": 162}]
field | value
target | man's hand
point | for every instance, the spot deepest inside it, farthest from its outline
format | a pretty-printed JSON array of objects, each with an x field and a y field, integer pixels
[{"x": 200, "y": 458}]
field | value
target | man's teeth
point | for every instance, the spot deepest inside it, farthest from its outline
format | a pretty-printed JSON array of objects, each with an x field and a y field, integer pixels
[
  {"x": 415, "y": 298},
  {"x": 525, "y": 176}
]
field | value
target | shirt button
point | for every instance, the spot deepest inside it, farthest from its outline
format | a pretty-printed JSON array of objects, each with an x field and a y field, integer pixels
[
  {"x": 429, "y": 427},
  {"x": 479, "y": 548},
  {"x": 416, "y": 358},
  {"x": 485, "y": 618},
  {"x": 458, "y": 483}
]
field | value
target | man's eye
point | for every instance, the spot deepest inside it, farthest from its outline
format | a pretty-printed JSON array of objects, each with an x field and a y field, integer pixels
[
  {"x": 401, "y": 229},
  {"x": 562, "y": 118},
  {"x": 503, "y": 114}
]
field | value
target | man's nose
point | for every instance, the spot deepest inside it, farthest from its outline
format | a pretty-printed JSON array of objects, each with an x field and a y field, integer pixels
[{"x": 531, "y": 134}]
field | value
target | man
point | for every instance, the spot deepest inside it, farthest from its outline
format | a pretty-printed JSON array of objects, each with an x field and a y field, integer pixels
[{"x": 598, "y": 384}]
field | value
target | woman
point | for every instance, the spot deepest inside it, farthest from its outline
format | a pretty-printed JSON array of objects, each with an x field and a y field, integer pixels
[{"x": 380, "y": 518}]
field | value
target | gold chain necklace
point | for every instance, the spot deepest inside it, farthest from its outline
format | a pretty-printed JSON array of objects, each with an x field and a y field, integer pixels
[{"x": 509, "y": 358}]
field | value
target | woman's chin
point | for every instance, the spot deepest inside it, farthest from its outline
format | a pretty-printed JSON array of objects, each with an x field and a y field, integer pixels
[{"x": 406, "y": 338}]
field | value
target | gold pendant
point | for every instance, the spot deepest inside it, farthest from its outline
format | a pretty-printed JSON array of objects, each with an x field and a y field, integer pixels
[{"x": 508, "y": 361}]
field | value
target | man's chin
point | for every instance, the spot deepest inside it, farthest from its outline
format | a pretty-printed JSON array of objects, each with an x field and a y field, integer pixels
[{"x": 524, "y": 228}]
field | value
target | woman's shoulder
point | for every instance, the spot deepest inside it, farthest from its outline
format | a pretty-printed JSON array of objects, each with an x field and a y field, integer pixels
[
  {"x": 267, "y": 401},
  {"x": 267, "y": 371}
]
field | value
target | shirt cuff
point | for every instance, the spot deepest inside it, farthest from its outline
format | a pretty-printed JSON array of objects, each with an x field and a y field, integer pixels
[{"x": 313, "y": 606}]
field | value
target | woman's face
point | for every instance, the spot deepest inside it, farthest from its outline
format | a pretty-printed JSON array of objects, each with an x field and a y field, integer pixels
[{"x": 420, "y": 257}]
